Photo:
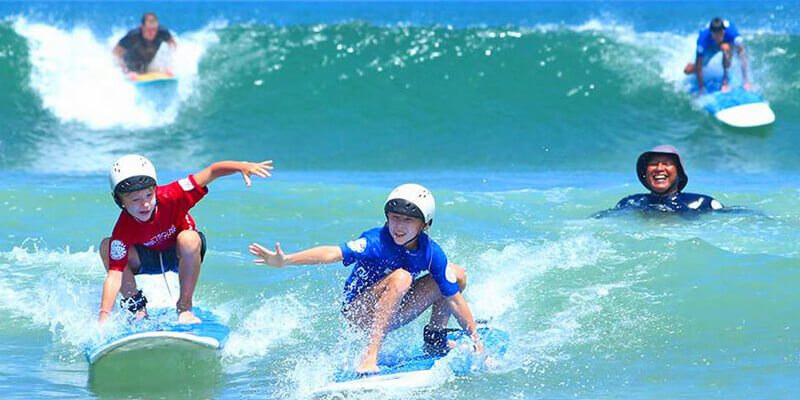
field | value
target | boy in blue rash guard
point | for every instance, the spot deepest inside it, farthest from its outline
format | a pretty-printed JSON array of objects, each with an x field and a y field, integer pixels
[
  {"x": 720, "y": 35},
  {"x": 660, "y": 170},
  {"x": 382, "y": 294}
]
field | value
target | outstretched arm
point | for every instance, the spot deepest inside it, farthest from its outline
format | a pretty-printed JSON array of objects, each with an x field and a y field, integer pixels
[
  {"x": 460, "y": 309},
  {"x": 277, "y": 258},
  {"x": 110, "y": 290},
  {"x": 225, "y": 168}
]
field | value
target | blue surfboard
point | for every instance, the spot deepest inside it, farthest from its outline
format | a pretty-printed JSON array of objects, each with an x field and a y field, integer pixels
[
  {"x": 161, "y": 329},
  {"x": 737, "y": 107},
  {"x": 413, "y": 368}
]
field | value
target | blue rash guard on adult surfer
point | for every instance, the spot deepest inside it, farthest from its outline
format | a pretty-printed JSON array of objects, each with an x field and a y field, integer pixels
[
  {"x": 707, "y": 47},
  {"x": 376, "y": 255},
  {"x": 673, "y": 203}
]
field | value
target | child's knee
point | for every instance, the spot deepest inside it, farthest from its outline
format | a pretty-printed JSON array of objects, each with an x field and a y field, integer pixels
[
  {"x": 189, "y": 242},
  {"x": 400, "y": 280}
]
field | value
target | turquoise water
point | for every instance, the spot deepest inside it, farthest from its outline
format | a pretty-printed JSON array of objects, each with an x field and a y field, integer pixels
[{"x": 523, "y": 118}]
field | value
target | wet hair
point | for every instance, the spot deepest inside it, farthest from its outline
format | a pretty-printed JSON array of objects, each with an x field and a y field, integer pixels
[
  {"x": 148, "y": 15},
  {"x": 717, "y": 25}
]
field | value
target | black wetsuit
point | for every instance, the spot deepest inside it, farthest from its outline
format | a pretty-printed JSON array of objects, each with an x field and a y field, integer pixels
[
  {"x": 674, "y": 203},
  {"x": 139, "y": 52}
]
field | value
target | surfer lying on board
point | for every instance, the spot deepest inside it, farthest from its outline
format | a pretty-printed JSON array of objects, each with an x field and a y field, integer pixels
[
  {"x": 155, "y": 233},
  {"x": 382, "y": 293},
  {"x": 660, "y": 170},
  {"x": 136, "y": 50},
  {"x": 720, "y": 35}
]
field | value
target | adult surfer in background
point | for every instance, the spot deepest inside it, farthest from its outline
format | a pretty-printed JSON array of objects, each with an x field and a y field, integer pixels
[
  {"x": 136, "y": 50},
  {"x": 719, "y": 35},
  {"x": 660, "y": 170}
]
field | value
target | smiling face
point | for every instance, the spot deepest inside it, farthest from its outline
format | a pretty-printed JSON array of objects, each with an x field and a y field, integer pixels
[
  {"x": 661, "y": 174},
  {"x": 140, "y": 204},
  {"x": 403, "y": 228}
]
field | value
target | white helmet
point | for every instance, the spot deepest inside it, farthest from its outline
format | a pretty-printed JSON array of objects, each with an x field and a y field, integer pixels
[
  {"x": 412, "y": 200},
  {"x": 130, "y": 173}
]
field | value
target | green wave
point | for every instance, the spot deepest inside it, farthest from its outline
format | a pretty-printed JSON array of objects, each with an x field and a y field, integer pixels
[{"x": 360, "y": 96}]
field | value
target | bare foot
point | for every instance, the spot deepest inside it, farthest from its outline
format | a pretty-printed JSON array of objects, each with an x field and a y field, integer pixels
[
  {"x": 367, "y": 369},
  {"x": 688, "y": 69},
  {"x": 140, "y": 315},
  {"x": 726, "y": 88},
  {"x": 368, "y": 366},
  {"x": 187, "y": 317}
]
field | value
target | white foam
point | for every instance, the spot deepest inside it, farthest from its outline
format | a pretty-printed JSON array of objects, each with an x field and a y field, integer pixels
[
  {"x": 494, "y": 289},
  {"x": 57, "y": 289},
  {"x": 75, "y": 75},
  {"x": 269, "y": 325}
]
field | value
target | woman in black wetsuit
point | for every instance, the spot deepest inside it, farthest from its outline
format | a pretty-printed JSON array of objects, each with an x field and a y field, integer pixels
[{"x": 661, "y": 171}]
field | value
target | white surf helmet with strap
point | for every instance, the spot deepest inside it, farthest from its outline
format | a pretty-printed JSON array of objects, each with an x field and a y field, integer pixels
[
  {"x": 411, "y": 200},
  {"x": 130, "y": 173}
]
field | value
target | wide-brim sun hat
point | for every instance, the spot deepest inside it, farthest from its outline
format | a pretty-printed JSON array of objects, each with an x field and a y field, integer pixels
[{"x": 667, "y": 150}]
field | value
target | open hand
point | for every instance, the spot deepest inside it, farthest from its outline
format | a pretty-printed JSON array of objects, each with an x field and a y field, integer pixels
[
  {"x": 260, "y": 169},
  {"x": 272, "y": 258}
]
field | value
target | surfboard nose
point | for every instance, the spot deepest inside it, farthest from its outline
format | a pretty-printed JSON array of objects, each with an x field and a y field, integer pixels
[{"x": 746, "y": 115}]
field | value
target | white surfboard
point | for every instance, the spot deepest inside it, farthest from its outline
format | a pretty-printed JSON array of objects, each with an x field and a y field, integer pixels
[
  {"x": 746, "y": 115},
  {"x": 162, "y": 329}
]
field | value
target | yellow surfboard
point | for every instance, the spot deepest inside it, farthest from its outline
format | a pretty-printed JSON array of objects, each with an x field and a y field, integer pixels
[{"x": 153, "y": 77}]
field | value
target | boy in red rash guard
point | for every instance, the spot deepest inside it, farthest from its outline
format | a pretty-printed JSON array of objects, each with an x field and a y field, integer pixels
[{"x": 155, "y": 233}]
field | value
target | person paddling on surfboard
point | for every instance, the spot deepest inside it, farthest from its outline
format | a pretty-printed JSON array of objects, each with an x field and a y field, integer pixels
[
  {"x": 155, "y": 233},
  {"x": 720, "y": 35},
  {"x": 136, "y": 50},
  {"x": 384, "y": 291},
  {"x": 661, "y": 171}
]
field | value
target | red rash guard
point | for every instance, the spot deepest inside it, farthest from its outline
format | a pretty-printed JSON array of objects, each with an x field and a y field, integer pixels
[{"x": 170, "y": 217}]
